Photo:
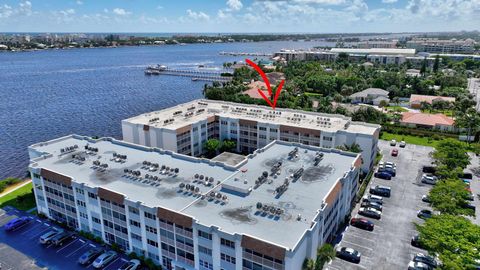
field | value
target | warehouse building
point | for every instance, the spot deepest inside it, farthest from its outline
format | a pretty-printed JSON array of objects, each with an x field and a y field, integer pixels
[
  {"x": 270, "y": 211},
  {"x": 186, "y": 127}
]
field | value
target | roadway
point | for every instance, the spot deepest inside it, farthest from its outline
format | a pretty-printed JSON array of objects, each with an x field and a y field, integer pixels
[{"x": 474, "y": 89}]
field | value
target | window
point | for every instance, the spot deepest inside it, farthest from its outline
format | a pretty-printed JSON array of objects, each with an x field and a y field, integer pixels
[
  {"x": 81, "y": 203},
  {"x": 150, "y": 216},
  {"x": 328, "y": 139},
  {"x": 204, "y": 250},
  {"x": 205, "y": 235},
  {"x": 83, "y": 215},
  {"x": 136, "y": 237},
  {"x": 261, "y": 136},
  {"x": 227, "y": 258},
  {"x": 133, "y": 210},
  {"x": 91, "y": 195},
  {"x": 273, "y": 130},
  {"x": 153, "y": 256},
  {"x": 262, "y": 128},
  {"x": 151, "y": 229},
  {"x": 79, "y": 191},
  {"x": 134, "y": 223},
  {"x": 96, "y": 220},
  {"x": 227, "y": 243},
  {"x": 152, "y": 243},
  {"x": 206, "y": 265}
]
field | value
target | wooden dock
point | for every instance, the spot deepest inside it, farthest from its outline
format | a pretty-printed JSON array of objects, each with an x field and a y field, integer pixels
[{"x": 196, "y": 75}]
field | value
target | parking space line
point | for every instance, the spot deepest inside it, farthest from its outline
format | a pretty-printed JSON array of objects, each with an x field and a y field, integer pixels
[
  {"x": 38, "y": 234},
  {"x": 35, "y": 226},
  {"x": 351, "y": 243},
  {"x": 73, "y": 252},
  {"x": 67, "y": 245},
  {"x": 363, "y": 238},
  {"x": 110, "y": 263}
]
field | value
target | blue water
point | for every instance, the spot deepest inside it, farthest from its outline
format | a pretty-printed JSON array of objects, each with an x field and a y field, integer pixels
[{"x": 53, "y": 93}]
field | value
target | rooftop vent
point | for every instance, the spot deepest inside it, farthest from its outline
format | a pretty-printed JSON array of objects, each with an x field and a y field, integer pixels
[{"x": 68, "y": 149}]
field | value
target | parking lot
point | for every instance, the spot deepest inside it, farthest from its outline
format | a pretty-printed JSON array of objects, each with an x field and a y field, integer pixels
[
  {"x": 20, "y": 248},
  {"x": 388, "y": 245}
]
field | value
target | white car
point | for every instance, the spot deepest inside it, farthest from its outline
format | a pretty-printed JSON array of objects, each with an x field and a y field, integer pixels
[
  {"x": 402, "y": 144},
  {"x": 130, "y": 265},
  {"x": 393, "y": 142},
  {"x": 429, "y": 179},
  {"x": 418, "y": 266},
  {"x": 104, "y": 259}
]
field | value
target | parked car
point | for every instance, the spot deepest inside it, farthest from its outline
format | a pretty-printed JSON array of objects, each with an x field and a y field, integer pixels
[
  {"x": 61, "y": 238},
  {"x": 380, "y": 191},
  {"x": 390, "y": 169},
  {"x": 429, "y": 179},
  {"x": 370, "y": 212},
  {"x": 429, "y": 169},
  {"x": 373, "y": 205},
  {"x": 130, "y": 265},
  {"x": 418, "y": 266},
  {"x": 89, "y": 256},
  {"x": 402, "y": 144},
  {"x": 426, "y": 199},
  {"x": 393, "y": 142},
  {"x": 16, "y": 223},
  {"x": 47, "y": 237},
  {"x": 416, "y": 241},
  {"x": 383, "y": 175},
  {"x": 362, "y": 223},
  {"x": 469, "y": 206},
  {"x": 373, "y": 198},
  {"x": 349, "y": 254},
  {"x": 426, "y": 259},
  {"x": 394, "y": 152},
  {"x": 104, "y": 259},
  {"x": 424, "y": 214}
]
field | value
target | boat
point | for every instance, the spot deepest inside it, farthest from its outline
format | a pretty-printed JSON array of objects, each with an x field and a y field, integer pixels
[{"x": 194, "y": 79}]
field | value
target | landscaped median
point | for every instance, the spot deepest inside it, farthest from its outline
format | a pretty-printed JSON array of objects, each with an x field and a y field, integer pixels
[{"x": 21, "y": 198}]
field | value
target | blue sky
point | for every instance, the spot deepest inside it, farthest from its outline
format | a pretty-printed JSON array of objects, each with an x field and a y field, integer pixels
[{"x": 319, "y": 16}]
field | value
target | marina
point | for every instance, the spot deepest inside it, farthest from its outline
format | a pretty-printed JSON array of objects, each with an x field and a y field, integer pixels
[{"x": 257, "y": 54}]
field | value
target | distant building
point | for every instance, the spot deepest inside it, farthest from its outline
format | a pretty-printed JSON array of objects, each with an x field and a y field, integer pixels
[
  {"x": 412, "y": 72},
  {"x": 435, "y": 45},
  {"x": 416, "y": 100},
  {"x": 457, "y": 57},
  {"x": 370, "y": 96},
  {"x": 372, "y": 44},
  {"x": 375, "y": 51},
  {"x": 429, "y": 121}
]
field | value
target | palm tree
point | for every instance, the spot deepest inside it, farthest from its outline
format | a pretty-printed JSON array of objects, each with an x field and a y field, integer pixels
[
  {"x": 308, "y": 264},
  {"x": 469, "y": 120}
]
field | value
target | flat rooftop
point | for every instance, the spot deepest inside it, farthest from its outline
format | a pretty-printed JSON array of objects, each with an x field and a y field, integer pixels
[
  {"x": 228, "y": 201},
  {"x": 198, "y": 110}
]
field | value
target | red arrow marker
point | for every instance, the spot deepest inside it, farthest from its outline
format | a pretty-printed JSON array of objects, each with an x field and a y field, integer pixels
[{"x": 269, "y": 87}]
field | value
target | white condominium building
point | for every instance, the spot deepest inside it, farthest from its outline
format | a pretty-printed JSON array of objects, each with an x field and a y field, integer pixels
[
  {"x": 185, "y": 128},
  {"x": 269, "y": 211}
]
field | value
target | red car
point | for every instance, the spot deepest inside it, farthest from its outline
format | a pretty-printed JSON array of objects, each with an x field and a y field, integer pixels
[
  {"x": 394, "y": 152},
  {"x": 362, "y": 223}
]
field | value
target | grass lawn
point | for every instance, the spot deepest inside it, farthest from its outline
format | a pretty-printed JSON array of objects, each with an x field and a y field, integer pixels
[
  {"x": 26, "y": 202},
  {"x": 396, "y": 109},
  {"x": 409, "y": 139},
  {"x": 448, "y": 113}
]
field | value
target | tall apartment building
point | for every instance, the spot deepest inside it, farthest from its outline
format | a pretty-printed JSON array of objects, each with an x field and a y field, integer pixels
[
  {"x": 270, "y": 211},
  {"x": 185, "y": 128},
  {"x": 435, "y": 45}
]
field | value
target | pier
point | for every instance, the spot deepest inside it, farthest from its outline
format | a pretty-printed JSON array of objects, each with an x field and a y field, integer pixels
[
  {"x": 196, "y": 75},
  {"x": 246, "y": 54}
]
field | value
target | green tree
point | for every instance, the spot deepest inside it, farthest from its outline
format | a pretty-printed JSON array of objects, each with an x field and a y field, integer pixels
[
  {"x": 423, "y": 69},
  {"x": 383, "y": 103},
  {"x": 452, "y": 154},
  {"x": 436, "y": 64},
  {"x": 454, "y": 238},
  {"x": 449, "y": 197},
  {"x": 212, "y": 146},
  {"x": 228, "y": 146},
  {"x": 469, "y": 119},
  {"x": 324, "y": 254}
]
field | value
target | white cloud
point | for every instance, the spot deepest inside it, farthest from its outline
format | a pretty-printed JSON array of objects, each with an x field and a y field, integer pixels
[
  {"x": 121, "y": 11},
  {"x": 25, "y": 8},
  {"x": 234, "y": 5},
  {"x": 321, "y": 2},
  {"x": 5, "y": 11},
  {"x": 67, "y": 12},
  {"x": 79, "y": 2},
  {"x": 198, "y": 16},
  {"x": 389, "y": 1},
  {"x": 159, "y": 7}
]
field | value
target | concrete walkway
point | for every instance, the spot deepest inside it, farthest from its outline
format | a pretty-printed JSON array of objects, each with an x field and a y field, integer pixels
[{"x": 15, "y": 188}]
